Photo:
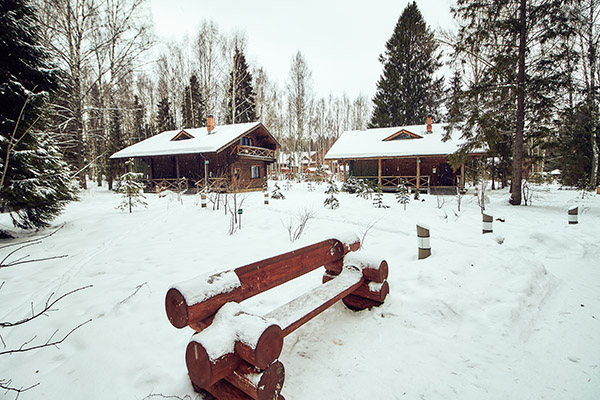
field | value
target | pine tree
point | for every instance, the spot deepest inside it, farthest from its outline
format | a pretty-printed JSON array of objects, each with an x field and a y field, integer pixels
[
  {"x": 402, "y": 194},
  {"x": 351, "y": 185},
  {"x": 514, "y": 50},
  {"x": 35, "y": 183},
  {"x": 240, "y": 92},
  {"x": 276, "y": 194},
  {"x": 164, "y": 118},
  {"x": 378, "y": 198},
  {"x": 193, "y": 105},
  {"x": 132, "y": 188},
  {"x": 407, "y": 91},
  {"x": 331, "y": 201}
]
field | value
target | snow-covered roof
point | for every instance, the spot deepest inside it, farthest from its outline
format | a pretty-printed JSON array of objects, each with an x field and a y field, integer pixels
[
  {"x": 199, "y": 142},
  {"x": 402, "y": 141}
]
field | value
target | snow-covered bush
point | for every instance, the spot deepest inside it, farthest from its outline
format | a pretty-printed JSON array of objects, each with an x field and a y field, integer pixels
[
  {"x": 365, "y": 189},
  {"x": 276, "y": 194},
  {"x": 351, "y": 185}
]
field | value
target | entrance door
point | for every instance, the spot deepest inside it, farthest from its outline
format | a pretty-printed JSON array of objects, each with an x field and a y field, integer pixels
[{"x": 446, "y": 175}]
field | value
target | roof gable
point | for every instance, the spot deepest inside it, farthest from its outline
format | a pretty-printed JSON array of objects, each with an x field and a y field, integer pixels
[
  {"x": 183, "y": 135},
  {"x": 401, "y": 135}
]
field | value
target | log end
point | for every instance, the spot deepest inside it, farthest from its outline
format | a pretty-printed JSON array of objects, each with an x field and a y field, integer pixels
[
  {"x": 198, "y": 365},
  {"x": 271, "y": 382},
  {"x": 269, "y": 346},
  {"x": 177, "y": 308}
]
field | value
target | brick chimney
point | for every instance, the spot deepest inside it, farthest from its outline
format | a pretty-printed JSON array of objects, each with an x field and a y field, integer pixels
[
  {"x": 429, "y": 127},
  {"x": 210, "y": 124}
]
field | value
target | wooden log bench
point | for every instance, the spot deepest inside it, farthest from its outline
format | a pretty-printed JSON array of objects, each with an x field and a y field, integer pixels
[{"x": 234, "y": 352}]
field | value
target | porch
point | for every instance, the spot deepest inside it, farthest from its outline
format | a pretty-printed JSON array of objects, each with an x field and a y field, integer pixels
[{"x": 424, "y": 174}]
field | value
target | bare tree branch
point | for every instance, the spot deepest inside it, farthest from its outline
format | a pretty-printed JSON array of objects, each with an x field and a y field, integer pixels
[
  {"x": 23, "y": 348},
  {"x": 47, "y": 308},
  {"x": 6, "y": 386}
]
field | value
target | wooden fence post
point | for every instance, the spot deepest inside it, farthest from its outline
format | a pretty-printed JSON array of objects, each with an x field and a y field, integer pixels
[
  {"x": 488, "y": 221},
  {"x": 573, "y": 215},
  {"x": 424, "y": 243},
  {"x": 266, "y": 197},
  {"x": 203, "y": 200}
]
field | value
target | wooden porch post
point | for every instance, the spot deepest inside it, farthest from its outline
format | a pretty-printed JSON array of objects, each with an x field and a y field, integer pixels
[
  {"x": 177, "y": 166},
  {"x": 151, "y": 170},
  {"x": 379, "y": 171},
  {"x": 462, "y": 176},
  {"x": 418, "y": 173}
]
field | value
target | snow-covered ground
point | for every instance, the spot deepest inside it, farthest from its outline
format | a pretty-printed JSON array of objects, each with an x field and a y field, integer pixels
[{"x": 509, "y": 315}]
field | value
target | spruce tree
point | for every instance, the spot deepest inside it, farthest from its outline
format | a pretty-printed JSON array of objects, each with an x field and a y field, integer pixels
[
  {"x": 240, "y": 92},
  {"x": 193, "y": 105},
  {"x": 331, "y": 201},
  {"x": 164, "y": 118},
  {"x": 378, "y": 198},
  {"x": 402, "y": 194},
  {"x": 35, "y": 183},
  {"x": 514, "y": 51},
  {"x": 407, "y": 91},
  {"x": 132, "y": 189}
]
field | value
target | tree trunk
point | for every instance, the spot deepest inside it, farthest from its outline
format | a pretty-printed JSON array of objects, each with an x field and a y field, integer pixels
[
  {"x": 517, "y": 166},
  {"x": 592, "y": 98}
]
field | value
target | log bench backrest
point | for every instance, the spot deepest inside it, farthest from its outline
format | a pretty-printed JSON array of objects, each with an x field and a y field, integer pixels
[{"x": 184, "y": 307}]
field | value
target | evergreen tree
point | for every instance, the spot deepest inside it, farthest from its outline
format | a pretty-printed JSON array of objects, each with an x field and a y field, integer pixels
[
  {"x": 276, "y": 194},
  {"x": 331, "y": 201},
  {"x": 408, "y": 92},
  {"x": 193, "y": 105},
  {"x": 402, "y": 194},
  {"x": 139, "y": 121},
  {"x": 240, "y": 92},
  {"x": 573, "y": 151},
  {"x": 514, "y": 50},
  {"x": 378, "y": 198},
  {"x": 132, "y": 188},
  {"x": 164, "y": 118},
  {"x": 35, "y": 183},
  {"x": 351, "y": 185}
]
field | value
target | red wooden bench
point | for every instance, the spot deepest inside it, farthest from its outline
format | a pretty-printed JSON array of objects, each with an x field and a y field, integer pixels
[{"x": 234, "y": 352}]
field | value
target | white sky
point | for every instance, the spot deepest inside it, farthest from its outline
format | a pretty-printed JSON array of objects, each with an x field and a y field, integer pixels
[{"x": 340, "y": 39}]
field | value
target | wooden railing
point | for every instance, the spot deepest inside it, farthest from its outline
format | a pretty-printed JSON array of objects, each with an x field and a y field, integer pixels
[
  {"x": 394, "y": 181},
  {"x": 174, "y": 184},
  {"x": 409, "y": 181},
  {"x": 213, "y": 185},
  {"x": 253, "y": 151}
]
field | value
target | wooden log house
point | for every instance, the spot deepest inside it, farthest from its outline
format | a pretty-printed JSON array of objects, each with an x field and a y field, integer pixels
[
  {"x": 413, "y": 154},
  {"x": 226, "y": 157}
]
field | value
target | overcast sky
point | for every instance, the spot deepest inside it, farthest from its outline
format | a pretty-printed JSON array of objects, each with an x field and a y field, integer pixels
[{"x": 340, "y": 39}]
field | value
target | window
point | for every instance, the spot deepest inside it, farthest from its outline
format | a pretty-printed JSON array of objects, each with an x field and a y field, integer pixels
[
  {"x": 255, "y": 172},
  {"x": 246, "y": 141}
]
